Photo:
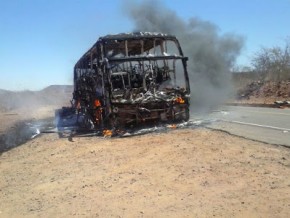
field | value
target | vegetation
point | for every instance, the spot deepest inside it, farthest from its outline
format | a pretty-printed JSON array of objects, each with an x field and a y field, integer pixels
[{"x": 273, "y": 63}]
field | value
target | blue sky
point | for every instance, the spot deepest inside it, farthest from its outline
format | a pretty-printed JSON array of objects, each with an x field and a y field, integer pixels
[{"x": 40, "y": 40}]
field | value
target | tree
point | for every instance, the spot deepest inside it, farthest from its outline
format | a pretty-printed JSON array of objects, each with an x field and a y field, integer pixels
[{"x": 273, "y": 63}]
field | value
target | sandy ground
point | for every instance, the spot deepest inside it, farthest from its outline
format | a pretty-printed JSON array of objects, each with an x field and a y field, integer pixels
[{"x": 181, "y": 173}]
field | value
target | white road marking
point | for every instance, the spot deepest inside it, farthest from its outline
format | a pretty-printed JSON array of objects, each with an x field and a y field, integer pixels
[
  {"x": 257, "y": 125},
  {"x": 264, "y": 112}
]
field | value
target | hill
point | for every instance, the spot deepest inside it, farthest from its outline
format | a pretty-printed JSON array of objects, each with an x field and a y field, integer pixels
[{"x": 51, "y": 95}]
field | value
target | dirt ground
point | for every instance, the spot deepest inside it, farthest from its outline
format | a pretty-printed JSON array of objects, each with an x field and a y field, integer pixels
[{"x": 181, "y": 173}]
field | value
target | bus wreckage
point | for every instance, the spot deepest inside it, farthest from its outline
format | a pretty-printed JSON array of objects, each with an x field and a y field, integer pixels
[{"x": 126, "y": 81}]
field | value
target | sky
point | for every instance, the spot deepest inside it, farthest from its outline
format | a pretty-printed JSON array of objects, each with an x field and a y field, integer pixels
[{"x": 40, "y": 40}]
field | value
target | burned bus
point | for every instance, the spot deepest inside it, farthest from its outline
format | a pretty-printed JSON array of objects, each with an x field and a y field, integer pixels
[{"x": 127, "y": 80}]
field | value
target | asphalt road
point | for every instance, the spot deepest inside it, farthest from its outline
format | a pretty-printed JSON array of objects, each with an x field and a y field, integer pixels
[{"x": 268, "y": 125}]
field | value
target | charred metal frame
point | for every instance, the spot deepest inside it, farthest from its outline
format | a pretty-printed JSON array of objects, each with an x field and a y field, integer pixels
[{"x": 128, "y": 79}]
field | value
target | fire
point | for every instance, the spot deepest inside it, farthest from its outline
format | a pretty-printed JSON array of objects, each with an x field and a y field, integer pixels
[
  {"x": 107, "y": 133},
  {"x": 179, "y": 100},
  {"x": 78, "y": 104},
  {"x": 97, "y": 103},
  {"x": 173, "y": 126}
]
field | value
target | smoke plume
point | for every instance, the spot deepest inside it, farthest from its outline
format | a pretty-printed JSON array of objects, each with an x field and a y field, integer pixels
[{"x": 211, "y": 55}]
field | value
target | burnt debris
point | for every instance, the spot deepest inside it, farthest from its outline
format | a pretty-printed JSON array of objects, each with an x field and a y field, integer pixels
[{"x": 127, "y": 80}]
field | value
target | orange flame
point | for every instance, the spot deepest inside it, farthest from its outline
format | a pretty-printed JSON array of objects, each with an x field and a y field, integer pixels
[
  {"x": 107, "y": 132},
  {"x": 78, "y": 104},
  {"x": 173, "y": 126},
  {"x": 179, "y": 100},
  {"x": 97, "y": 103}
]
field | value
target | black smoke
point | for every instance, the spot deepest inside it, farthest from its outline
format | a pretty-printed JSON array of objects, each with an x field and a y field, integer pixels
[{"x": 211, "y": 54}]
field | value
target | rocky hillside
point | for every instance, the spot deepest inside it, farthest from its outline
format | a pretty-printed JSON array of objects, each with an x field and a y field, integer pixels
[
  {"x": 264, "y": 89},
  {"x": 251, "y": 89}
]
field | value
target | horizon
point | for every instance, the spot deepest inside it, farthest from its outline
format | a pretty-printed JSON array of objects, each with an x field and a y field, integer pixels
[{"x": 43, "y": 40}]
